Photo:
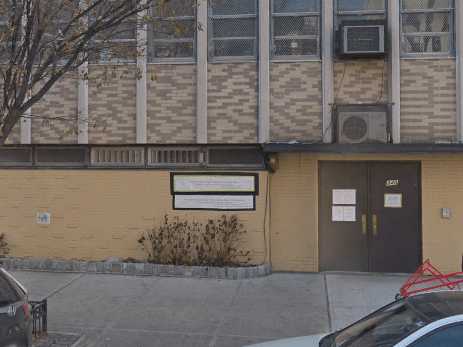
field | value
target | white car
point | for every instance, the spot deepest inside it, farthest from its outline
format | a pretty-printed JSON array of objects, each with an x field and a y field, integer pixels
[{"x": 425, "y": 320}]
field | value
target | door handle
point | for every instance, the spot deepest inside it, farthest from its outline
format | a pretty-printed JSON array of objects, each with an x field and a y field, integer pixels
[
  {"x": 375, "y": 225},
  {"x": 364, "y": 224}
]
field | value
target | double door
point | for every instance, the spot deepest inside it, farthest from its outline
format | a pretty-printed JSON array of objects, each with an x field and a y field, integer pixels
[{"x": 369, "y": 216}]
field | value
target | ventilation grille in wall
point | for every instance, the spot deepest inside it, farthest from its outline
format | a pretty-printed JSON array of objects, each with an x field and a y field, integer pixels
[
  {"x": 118, "y": 156},
  {"x": 175, "y": 156}
]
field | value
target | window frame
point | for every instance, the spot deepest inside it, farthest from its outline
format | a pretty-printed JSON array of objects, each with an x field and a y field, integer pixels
[
  {"x": 451, "y": 34},
  {"x": 116, "y": 41},
  {"x": 173, "y": 60},
  {"x": 210, "y": 36},
  {"x": 339, "y": 13},
  {"x": 282, "y": 58}
]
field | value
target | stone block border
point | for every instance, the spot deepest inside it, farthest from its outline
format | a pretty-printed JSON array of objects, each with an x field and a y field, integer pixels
[{"x": 135, "y": 269}]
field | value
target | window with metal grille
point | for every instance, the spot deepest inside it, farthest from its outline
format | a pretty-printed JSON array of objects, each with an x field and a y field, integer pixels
[
  {"x": 233, "y": 29},
  {"x": 296, "y": 28},
  {"x": 427, "y": 27},
  {"x": 172, "y": 33},
  {"x": 5, "y": 31},
  {"x": 117, "y": 45},
  {"x": 350, "y": 10}
]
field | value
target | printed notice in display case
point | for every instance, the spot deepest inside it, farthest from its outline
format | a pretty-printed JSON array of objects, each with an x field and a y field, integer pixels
[
  {"x": 214, "y": 183},
  {"x": 393, "y": 200},
  {"x": 215, "y": 202},
  {"x": 344, "y": 197},
  {"x": 343, "y": 214}
]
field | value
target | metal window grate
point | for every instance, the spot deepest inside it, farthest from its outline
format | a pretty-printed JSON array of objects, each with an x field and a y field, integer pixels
[
  {"x": 233, "y": 30},
  {"x": 364, "y": 10},
  {"x": 427, "y": 27},
  {"x": 175, "y": 156},
  {"x": 172, "y": 32},
  {"x": 296, "y": 28},
  {"x": 118, "y": 45},
  {"x": 117, "y": 156}
]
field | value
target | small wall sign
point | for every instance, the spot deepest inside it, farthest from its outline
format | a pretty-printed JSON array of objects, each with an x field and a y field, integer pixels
[
  {"x": 43, "y": 218},
  {"x": 392, "y": 183}
]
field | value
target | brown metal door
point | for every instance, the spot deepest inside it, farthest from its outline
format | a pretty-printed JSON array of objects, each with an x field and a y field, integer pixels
[
  {"x": 394, "y": 223},
  {"x": 343, "y": 244}
]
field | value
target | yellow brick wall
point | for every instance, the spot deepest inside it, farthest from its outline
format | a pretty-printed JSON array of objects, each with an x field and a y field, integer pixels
[
  {"x": 294, "y": 213},
  {"x": 98, "y": 214}
]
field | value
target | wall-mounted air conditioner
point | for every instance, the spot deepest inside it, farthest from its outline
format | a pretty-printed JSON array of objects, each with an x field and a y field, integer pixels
[
  {"x": 362, "y": 124},
  {"x": 362, "y": 39}
]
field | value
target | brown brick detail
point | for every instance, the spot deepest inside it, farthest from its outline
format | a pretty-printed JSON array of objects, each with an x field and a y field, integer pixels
[
  {"x": 428, "y": 100},
  {"x": 172, "y": 103},
  {"x": 296, "y": 102},
  {"x": 55, "y": 115},
  {"x": 112, "y": 104},
  {"x": 360, "y": 81},
  {"x": 232, "y": 103}
]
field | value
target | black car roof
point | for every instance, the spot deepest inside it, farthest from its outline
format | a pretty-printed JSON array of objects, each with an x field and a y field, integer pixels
[{"x": 437, "y": 305}]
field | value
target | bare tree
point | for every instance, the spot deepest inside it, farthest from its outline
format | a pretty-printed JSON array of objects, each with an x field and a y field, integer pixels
[{"x": 42, "y": 40}]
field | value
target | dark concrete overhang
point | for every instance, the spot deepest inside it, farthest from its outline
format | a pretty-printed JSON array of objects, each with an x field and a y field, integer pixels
[{"x": 336, "y": 148}]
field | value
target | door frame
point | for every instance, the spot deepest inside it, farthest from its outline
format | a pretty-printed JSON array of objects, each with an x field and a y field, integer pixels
[{"x": 418, "y": 163}]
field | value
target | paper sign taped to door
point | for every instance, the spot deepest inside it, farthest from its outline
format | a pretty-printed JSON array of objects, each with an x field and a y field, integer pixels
[
  {"x": 343, "y": 214},
  {"x": 393, "y": 200},
  {"x": 344, "y": 196},
  {"x": 349, "y": 214}
]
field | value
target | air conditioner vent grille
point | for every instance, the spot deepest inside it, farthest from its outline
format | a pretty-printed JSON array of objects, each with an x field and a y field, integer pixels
[
  {"x": 175, "y": 156},
  {"x": 117, "y": 156},
  {"x": 355, "y": 128}
]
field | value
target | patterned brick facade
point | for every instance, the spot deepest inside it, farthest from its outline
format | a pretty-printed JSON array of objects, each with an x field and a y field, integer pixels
[
  {"x": 232, "y": 103},
  {"x": 296, "y": 102},
  {"x": 55, "y": 116},
  {"x": 171, "y": 103},
  {"x": 112, "y": 104},
  {"x": 360, "y": 81},
  {"x": 428, "y": 100}
]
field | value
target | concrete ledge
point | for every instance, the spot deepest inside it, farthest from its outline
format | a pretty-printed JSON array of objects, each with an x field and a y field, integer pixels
[{"x": 135, "y": 269}]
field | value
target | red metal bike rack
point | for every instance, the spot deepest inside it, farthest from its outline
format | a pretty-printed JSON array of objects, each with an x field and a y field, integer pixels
[{"x": 427, "y": 278}]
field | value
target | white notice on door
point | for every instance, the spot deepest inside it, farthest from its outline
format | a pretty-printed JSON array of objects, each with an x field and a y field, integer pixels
[
  {"x": 344, "y": 196},
  {"x": 337, "y": 214},
  {"x": 343, "y": 214},
  {"x": 393, "y": 200},
  {"x": 349, "y": 214}
]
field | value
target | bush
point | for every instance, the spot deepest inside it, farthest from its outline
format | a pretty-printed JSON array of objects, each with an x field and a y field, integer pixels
[{"x": 180, "y": 242}]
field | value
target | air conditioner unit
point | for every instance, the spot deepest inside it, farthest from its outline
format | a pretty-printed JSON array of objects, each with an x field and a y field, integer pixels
[
  {"x": 362, "y": 38},
  {"x": 363, "y": 124}
]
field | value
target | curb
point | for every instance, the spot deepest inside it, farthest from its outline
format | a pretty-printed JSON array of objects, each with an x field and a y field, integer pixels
[{"x": 136, "y": 269}]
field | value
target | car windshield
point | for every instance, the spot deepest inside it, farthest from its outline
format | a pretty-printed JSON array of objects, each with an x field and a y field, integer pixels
[{"x": 383, "y": 328}]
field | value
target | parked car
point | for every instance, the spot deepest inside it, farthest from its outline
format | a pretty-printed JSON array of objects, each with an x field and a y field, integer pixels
[
  {"x": 15, "y": 313},
  {"x": 425, "y": 320}
]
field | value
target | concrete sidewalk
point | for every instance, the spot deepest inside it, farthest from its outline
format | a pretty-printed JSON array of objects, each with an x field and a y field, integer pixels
[{"x": 115, "y": 311}]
